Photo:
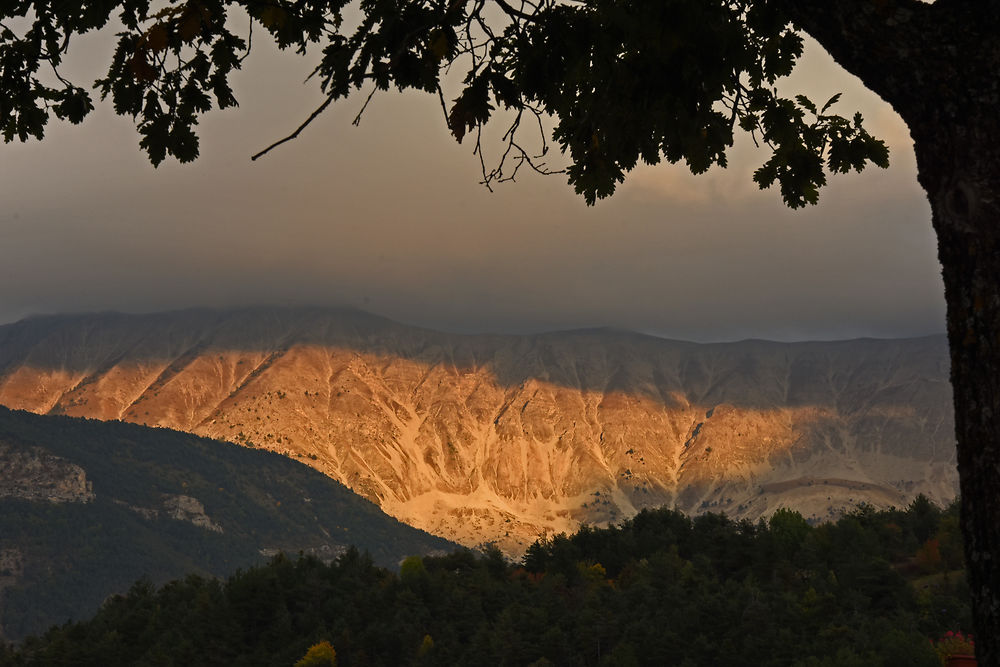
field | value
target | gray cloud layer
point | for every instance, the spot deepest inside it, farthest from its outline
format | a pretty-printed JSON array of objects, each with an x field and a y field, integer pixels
[{"x": 389, "y": 217}]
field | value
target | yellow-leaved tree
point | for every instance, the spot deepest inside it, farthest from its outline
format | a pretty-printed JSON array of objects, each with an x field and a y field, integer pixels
[{"x": 319, "y": 655}]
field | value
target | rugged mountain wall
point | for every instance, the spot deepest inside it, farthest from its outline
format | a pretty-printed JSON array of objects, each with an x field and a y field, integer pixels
[{"x": 502, "y": 438}]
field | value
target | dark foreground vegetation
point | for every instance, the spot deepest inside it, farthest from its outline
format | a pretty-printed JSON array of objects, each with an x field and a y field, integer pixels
[{"x": 661, "y": 589}]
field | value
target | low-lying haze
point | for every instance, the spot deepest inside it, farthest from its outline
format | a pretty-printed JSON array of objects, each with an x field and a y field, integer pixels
[{"x": 389, "y": 217}]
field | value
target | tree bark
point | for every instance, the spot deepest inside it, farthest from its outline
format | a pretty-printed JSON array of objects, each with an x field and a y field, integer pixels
[
  {"x": 960, "y": 170},
  {"x": 937, "y": 65}
]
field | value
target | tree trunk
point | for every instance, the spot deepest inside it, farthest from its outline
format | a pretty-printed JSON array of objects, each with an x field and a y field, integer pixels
[
  {"x": 937, "y": 65},
  {"x": 960, "y": 170}
]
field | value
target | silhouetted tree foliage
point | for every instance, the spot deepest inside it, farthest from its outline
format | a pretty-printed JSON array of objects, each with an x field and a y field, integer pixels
[
  {"x": 626, "y": 81},
  {"x": 660, "y": 589}
]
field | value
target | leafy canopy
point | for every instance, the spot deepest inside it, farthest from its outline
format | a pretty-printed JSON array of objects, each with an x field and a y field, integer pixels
[{"x": 622, "y": 80}]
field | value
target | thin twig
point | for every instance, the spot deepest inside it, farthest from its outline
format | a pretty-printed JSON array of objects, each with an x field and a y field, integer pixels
[
  {"x": 63, "y": 81},
  {"x": 444, "y": 107},
  {"x": 487, "y": 178},
  {"x": 513, "y": 12},
  {"x": 541, "y": 132},
  {"x": 301, "y": 127},
  {"x": 357, "y": 119},
  {"x": 246, "y": 54}
]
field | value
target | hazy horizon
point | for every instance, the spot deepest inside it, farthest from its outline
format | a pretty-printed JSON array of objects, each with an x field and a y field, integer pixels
[
  {"x": 389, "y": 217},
  {"x": 430, "y": 326}
]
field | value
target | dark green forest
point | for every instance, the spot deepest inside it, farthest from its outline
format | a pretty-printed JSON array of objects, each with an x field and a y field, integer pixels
[{"x": 872, "y": 589}]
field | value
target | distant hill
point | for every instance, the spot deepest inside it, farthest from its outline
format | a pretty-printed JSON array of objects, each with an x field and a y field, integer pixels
[
  {"x": 89, "y": 507},
  {"x": 502, "y": 438}
]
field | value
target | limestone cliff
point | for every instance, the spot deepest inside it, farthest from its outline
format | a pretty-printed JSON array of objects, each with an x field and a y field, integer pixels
[
  {"x": 178, "y": 507},
  {"x": 501, "y": 438},
  {"x": 35, "y": 474}
]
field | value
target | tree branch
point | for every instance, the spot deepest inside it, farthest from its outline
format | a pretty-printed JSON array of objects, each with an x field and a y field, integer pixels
[
  {"x": 514, "y": 12},
  {"x": 357, "y": 119},
  {"x": 886, "y": 44},
  {"x": 301, "y": 127}
]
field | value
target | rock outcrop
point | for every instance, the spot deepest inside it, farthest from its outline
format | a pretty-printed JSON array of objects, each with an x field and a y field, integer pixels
[
  {"x": 178, "y": 507},
  {"x": 35, "y": 474},
  {"x": 185, "y": 508},
  {"x": 502, "y": 438}
]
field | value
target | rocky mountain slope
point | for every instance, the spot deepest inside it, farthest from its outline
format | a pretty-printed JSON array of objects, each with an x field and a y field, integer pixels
[
  {"x": 502, "y": 438},
  {"x": 88, "y": 507}
]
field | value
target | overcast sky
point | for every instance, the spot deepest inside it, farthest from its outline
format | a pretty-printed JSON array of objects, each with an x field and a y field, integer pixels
[{"x": 389, "y": 217}]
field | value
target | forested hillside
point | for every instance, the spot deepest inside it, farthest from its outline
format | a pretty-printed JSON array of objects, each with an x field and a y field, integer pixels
[
  {"x": 870, "y": 590},
  {"x": 88, "y": 507}
]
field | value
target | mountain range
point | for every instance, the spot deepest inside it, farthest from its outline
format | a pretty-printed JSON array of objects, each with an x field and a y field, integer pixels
[{"x": 502, "y": 438}]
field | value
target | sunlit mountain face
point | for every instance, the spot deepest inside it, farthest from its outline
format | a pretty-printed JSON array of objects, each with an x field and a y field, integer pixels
[{"x": 484, "y": 438}]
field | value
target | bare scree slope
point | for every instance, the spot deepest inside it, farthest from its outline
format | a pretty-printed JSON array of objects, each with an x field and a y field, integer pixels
[{"x": 501, "y": 438}]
